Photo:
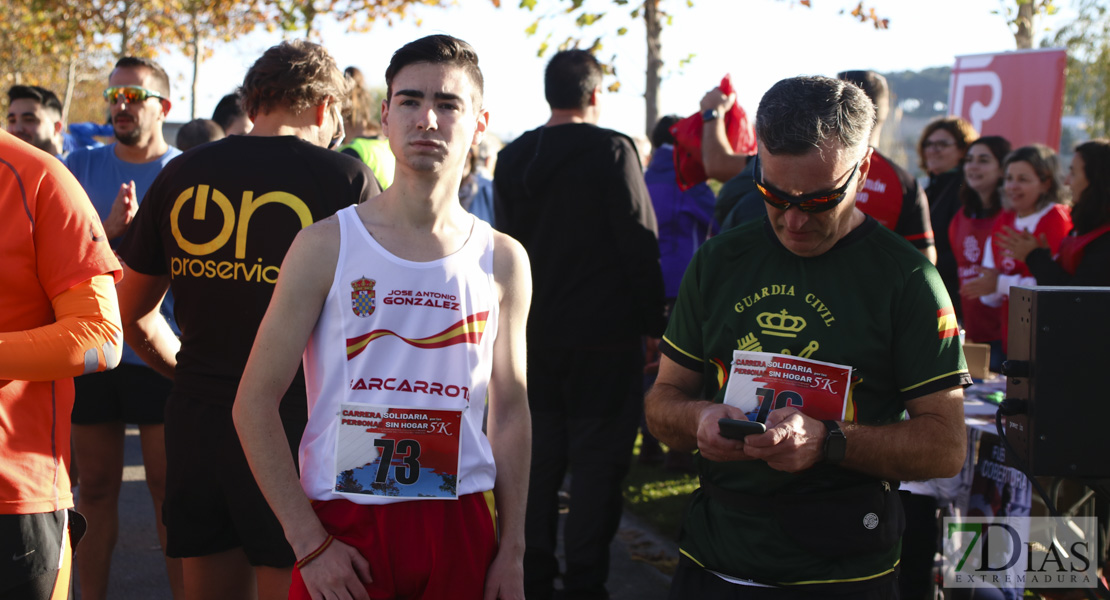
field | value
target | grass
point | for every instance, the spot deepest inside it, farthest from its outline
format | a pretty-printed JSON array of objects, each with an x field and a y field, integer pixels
[{"x": 657, "y": 495}]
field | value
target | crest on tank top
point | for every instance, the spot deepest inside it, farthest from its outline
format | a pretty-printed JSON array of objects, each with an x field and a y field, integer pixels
[{"x": 362, "y": 297}]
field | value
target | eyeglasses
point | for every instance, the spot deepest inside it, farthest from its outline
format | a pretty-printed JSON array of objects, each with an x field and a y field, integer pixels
[
  {"x": 810, "y": 203},
  {"x": 937, "y": 144},
  {"x": 131, "y": 94}
]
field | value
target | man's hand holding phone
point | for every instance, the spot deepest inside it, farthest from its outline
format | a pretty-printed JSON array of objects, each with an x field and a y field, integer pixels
[
  {"x": 713, "y": 441},
  {"x": 736, "y": 429}
]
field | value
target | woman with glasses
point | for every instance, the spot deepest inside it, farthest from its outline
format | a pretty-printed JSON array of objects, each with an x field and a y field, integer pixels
[
  {"x": 941, "y": 150},
  {"x": 1084, "y": 257},
  {"x": 1035, "y": 195},
  {"x": 971, "y": 227}
]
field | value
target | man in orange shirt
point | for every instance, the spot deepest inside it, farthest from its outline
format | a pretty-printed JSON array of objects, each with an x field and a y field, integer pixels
[{"x": 58, "y": 319}]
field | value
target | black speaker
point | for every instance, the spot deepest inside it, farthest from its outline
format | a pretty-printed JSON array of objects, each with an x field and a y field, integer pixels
[{"x": 1058, "y": 363}]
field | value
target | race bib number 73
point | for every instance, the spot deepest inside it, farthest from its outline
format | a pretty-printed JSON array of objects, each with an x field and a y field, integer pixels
[
  {"x": 397, "y": 452},
  {"x": 759, "y": 382}
]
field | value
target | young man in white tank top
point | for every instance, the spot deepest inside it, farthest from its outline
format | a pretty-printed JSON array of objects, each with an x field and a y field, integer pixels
[{"x": 411, "y": 317}]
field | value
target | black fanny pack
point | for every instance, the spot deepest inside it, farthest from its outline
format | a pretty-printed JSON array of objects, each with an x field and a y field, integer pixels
[{"x": 857, "y": 520}]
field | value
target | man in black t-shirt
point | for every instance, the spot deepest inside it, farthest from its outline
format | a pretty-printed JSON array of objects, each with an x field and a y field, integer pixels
[
  {"x": 215, "y": 227},
  {"x": 574, "y": 195}
]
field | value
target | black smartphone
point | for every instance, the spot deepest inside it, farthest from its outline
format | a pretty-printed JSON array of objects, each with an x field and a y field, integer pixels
[{"x": 734, "y": 429}]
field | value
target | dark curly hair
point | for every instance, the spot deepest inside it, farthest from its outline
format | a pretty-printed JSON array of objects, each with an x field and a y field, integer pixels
[{"x": 295, "y": 75}]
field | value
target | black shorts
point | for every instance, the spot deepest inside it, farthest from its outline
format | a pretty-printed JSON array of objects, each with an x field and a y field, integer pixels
[
  {"x": 126, "y": 394},
  {"x": 212, "y": 501},
  {"x": 35, "y": 544}
]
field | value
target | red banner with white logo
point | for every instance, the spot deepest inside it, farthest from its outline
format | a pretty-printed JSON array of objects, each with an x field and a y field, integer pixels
[{"x": 1018, "y": 95}]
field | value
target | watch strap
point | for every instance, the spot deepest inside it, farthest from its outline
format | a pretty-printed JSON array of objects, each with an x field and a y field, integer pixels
[
  {"x": 710, "y": 114},
  {"x": 836, "y": 444}
]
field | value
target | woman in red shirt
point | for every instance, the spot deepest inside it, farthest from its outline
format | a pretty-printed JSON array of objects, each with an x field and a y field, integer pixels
[
  {"x": 981, "y": 200},
  {"x": 1032, "y": 187},
  {"x": 1084, "y": 257}
]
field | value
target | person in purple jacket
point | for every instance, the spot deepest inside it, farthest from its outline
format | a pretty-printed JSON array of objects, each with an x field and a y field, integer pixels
[
  {"x": 685, "y": 222},
  {"x": 685, "y": 218}
]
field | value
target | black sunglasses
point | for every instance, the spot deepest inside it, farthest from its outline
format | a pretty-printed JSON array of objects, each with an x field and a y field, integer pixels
[{"x": 810, "y": 203}]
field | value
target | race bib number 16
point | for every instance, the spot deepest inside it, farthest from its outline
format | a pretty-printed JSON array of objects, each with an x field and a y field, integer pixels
[
  {"x": 759, "y": 383},
  {"x": 397, "y": 452}
]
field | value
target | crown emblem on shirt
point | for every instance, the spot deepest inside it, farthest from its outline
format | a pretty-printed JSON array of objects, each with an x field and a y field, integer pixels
[
  {"x": 780, "y": 324},
  {"x": 362, "y": 296}
]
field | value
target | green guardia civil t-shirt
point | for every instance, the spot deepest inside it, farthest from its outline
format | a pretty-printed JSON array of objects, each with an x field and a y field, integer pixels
[{"x": 872, "y": 302}]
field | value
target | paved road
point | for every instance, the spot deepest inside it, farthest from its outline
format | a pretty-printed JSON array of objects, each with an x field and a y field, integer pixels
[{"x": 138, "y": 572}]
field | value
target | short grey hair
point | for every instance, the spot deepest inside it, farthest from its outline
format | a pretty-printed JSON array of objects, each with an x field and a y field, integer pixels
[{"x": 801, "y": 114}]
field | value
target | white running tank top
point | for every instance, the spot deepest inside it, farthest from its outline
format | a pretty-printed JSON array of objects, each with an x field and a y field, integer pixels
[{"x": 404, "y": 334}]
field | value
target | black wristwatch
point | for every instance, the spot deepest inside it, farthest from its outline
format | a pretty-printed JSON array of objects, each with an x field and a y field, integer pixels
[
  {"x": 835, "y": 443},
  {"x": 710, "y": 114}
]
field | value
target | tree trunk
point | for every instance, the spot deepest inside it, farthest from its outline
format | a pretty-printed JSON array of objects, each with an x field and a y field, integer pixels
[
  {"x": 1024, "y": 34},
  {"x": 309, "y": 17},
  {"x": 125, "y": 30},
  {"x": 71, "y": 83},
  {"x": 194, "y": 43},
  {"x": 654, "y": 63}
]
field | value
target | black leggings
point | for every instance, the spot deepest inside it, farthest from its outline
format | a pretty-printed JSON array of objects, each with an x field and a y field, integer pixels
[{"x": 37, "y": 588}]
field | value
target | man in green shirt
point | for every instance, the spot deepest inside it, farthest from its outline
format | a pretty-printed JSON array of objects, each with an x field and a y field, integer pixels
[{"x": 828, "y": 328}]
